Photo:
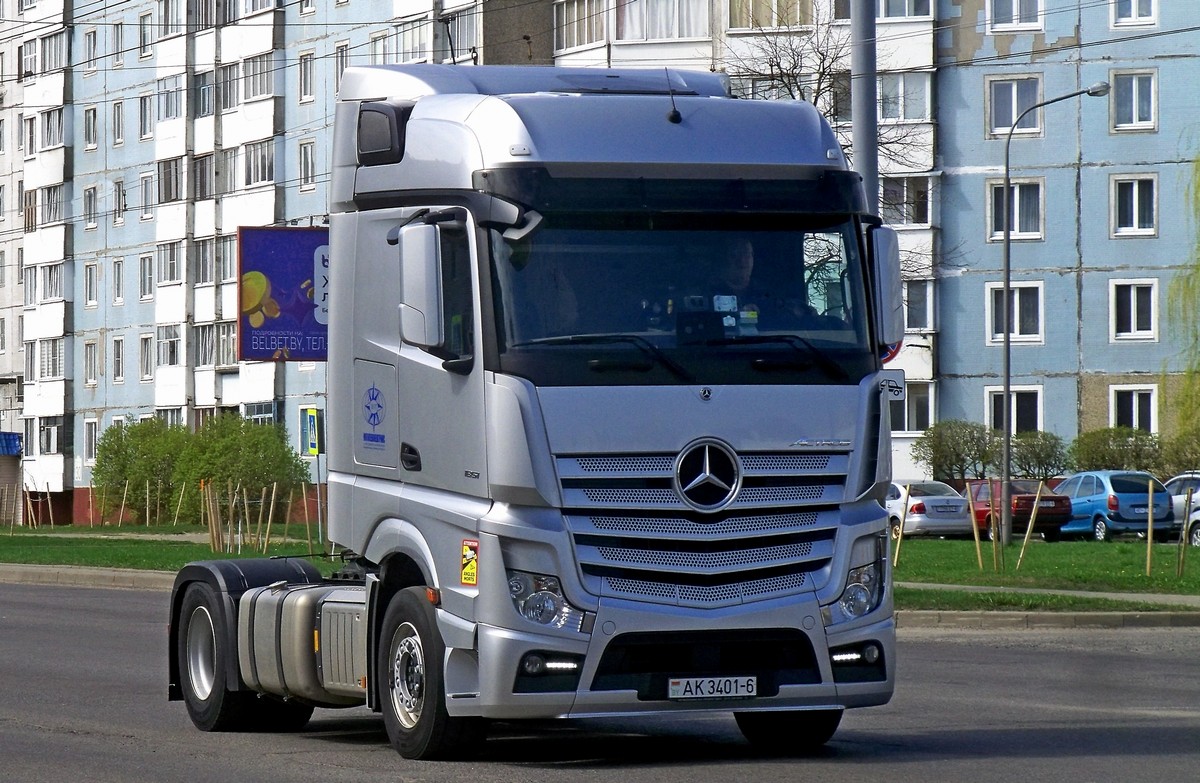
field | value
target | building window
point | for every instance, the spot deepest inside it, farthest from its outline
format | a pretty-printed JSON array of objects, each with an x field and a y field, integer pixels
[
  {"x": 170, "y": 180},
  {"x": 260, "y": 412},
  {"x": 52, "y": 204},
  {"x": 50, "y": 434},
  {"x": 1134, "y": 101},
  {"x": 205, "y": 336},
  {"x": 169, "y": 256},
  {"x": 1135, "y": 407},
  {"x": 305, "y": 70},
  {"x": 1134, "y": 12},
  {"x": 379, "y": 49},
  {"x": 147, "y": 184},
  {"x": 29, "y": 210},
  {"x": 28, "y": 135},
  {"x": 228, "y": 170},
  {"x": 118, "y": 44},
  {"x": 118, "y": 359},
  {"x": 146, "y": 356},
  {"x": 839, "y": 99},
  {"x": 743, "y": 14},
  {"x": 260, "y": 162},
  {"x": 889, "y": 9},
  {"x": 576, "y": 23},
  {"x": 52, "y": 128},
  {"x": 308, "y": 165},
  {"x": 1007, "y": 100},
  {"x": 91, "y": 56},
  {"x": 462, "y": 25},
  {"x": 904, "y": 200},
  {"x": 204, "y": 260},
  {"x": 904, "y": 96},
  {"x": 228, "y": 81},
  {"x": 227, "y": 257},
  {"x": 412, "y": 38},
  {"x": 226, "y": 344},
  {"x": 170, "y": 345},
  {"x": 254, "y": 6},
  {"x": 918, "y": 305},
  {"x": 1026, "y": 411},
  {"x": 51, "y": 282},
  {"x": 146, "y": 277},
  {"x": 118, "y": 123},
  {"x": 90, "y": 431},
  {"x": 54, "y": 52},
  {"x": 308, "y": 6},
  {"x": 341, "y": 59},
  {"x": 206, "y": 14},
  {"x": 3, "y": 136},
  {"x": 915, "y": 412},
  {"x": 91, "y": 285},
  {"x": 257, "y": 75},
  {"x": 1025, "y": 211},
  {"x": 30, "y": 351},
  {"x": 204, "y": 94},
  {"x": 52, "y": 358},
  {"x": 91, "y": 133},
  {"x": 170, "y": 97},
  {"x": 27, "y": 55},
  {"x": 172, "y": 417},
  {"x": 170, "y": 14},
  {"x": 145, "y": 35},
  {"x": 1133, "y": 310},
  {"x": 1133, "y": 206},
  {"x": 118, "y": 209},
  {"x": 29, "y": 281},
  {"x": 204, "y": 176},
  {"x": 1006, "y": 15},
  {"x": 118, "y": 281},
  {"x": 3, "y": 335},
  {"x": 91, "y": 363},
  {"x": 90, "y": 208},
  {"x": 146, "y": 116},
  {"x": 1025, "y": 312}
]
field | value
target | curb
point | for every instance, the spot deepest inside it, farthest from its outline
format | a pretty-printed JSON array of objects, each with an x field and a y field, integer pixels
[
  {"x": 80, "y": 576},
  {"x": 1009, "y": 621}
]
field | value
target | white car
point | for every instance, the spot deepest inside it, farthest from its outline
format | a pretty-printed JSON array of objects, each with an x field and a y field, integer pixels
[
  {"x": 934, "y": 509},
  {"x": 1178, "y": 487}
]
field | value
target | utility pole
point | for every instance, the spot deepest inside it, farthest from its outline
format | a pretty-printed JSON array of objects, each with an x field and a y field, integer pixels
[{"x": 864, "y": 136}]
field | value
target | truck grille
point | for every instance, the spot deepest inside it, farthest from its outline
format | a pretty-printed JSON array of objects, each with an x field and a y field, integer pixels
[{"x": 636, "y": 538}]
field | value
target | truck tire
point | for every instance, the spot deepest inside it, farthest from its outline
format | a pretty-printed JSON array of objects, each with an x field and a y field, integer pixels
[
  {"x": 412, "y": 692},
  {"x": 201, "y": 655},
  {"x": 798, "y": 731},
  {"x": 202, "y": 649}
]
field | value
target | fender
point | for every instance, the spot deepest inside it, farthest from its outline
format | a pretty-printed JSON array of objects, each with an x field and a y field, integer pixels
[{"x": 230, "y": 578}]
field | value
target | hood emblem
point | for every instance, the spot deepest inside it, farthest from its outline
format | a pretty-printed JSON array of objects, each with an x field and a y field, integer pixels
[{"x": 708, "y": 475}]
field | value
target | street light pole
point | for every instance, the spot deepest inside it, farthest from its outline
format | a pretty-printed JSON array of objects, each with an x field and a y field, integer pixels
[{"x": 1098, "y": 89}]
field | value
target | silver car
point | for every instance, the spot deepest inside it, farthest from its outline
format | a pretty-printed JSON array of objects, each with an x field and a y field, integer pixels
[{"x": 934, "y": 509}]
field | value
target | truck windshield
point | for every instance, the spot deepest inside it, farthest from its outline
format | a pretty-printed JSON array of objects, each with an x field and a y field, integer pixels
[{"x": 622, "y": 299}]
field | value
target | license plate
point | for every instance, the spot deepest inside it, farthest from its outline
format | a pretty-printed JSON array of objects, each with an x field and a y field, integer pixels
[
  {"x": 712, "y": 687},
  {"x": 1139, "y": 509},
  {"x": 1045, "y": 504},
  {"x": 947, "y": 509}
]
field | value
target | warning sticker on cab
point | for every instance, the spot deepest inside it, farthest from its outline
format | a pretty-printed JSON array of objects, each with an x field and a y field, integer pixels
[{"x": 469, "y": 574}]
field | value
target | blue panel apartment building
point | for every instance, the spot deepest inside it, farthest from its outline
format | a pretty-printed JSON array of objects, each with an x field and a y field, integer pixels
[{"x": 1102, "y": 211}]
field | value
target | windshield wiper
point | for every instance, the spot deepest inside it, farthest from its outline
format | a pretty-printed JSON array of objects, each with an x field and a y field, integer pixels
[
  {"x": 819, "y": 357},
  {"x": 647, "y": 347}
]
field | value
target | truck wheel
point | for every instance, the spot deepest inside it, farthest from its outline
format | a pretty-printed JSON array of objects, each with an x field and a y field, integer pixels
[
  {"x": 202, "y": 648},
  {"x": 411, "y": 683},
  {"x": 799, "y": 731}
]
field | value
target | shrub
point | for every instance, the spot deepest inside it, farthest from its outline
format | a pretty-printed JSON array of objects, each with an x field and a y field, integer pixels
[
  {"x": 134, "y": 466},
  {"x": 1038, "y": 455},
  {"x": 1116, "y": 448},
  {"x": 953, "y": 449}
]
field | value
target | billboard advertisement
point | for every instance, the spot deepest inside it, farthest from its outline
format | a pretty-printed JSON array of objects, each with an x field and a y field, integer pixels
[{"x": 283, "y": 293}]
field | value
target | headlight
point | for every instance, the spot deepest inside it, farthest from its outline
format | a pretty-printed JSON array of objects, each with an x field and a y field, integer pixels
[
  {"x": 539, "y": 598},
  {"x": 864, "y": 585}
]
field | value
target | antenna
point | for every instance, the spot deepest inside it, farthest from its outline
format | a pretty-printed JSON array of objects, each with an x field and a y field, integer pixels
[{"x": 673, "y": 116}]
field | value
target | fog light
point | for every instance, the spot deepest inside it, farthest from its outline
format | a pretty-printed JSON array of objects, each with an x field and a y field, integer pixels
[
  {"x": 871, "y": 653},
  {"x": 533, "y": 664}
]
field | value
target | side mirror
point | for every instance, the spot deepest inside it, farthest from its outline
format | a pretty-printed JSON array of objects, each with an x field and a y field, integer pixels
[
  {"x": 421, "y": 286},
  {"x": 889, "y": 295}
]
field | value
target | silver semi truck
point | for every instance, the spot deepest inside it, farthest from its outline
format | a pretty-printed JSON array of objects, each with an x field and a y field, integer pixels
[{"x": 607, "y": 421}]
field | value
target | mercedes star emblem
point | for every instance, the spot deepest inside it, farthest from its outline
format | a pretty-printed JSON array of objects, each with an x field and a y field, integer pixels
[{"x": 707, "y": 475}]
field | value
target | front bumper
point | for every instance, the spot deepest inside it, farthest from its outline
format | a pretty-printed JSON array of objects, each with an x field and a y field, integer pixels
[{"x": 633, "y": 650}]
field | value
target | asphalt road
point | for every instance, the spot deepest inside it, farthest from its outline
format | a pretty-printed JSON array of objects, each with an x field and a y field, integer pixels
[{"x": 83, "y": 699}]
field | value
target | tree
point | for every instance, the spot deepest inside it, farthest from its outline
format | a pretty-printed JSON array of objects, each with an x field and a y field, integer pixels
[
  {"x": 134, "y": 465},
  {"x": 1038, "y": 455},
  {"x": 954, "y": 450},
  {"x": 1180, "y": 454},
  {"x": 1116, "y": 448}
]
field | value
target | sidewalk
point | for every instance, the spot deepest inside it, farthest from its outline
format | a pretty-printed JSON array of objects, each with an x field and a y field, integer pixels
[{"x": 1186, "y": 616}]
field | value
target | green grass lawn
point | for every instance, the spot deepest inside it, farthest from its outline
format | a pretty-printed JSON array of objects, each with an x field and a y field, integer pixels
[{"x": 1070, "y": 565}]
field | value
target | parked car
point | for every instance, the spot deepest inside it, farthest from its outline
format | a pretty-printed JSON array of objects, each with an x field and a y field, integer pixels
[
  {"x": 1178, "y": 486},
  {"x": 934, "y": 509},
  {"x": 1107, "y": 503},
  {"x": 1053, "y": 509}
]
